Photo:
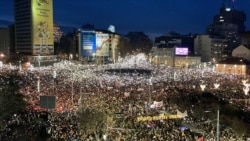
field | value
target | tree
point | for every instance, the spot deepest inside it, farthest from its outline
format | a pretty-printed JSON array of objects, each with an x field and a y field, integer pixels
[
  {"x": 139, "y": 42},
  {"x": 11, "y": 101}
]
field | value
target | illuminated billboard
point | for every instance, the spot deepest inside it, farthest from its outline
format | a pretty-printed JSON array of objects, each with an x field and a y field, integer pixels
[
  {"x": 181, "y": 51},
  {"x": 88, "y": 43},
  {"x": 42, "y": 27},
  {"x": 102, "y": 44}
]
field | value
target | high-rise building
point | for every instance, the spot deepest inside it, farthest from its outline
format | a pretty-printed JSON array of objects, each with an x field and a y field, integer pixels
[
  {"x": 34, "y": 27},
  {"x": 226, "y": 27}
]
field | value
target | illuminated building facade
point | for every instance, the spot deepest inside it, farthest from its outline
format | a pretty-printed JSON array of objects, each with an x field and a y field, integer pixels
[
  {"x": 34, "y": 27},
  {"x": 98, "y": 46},
  {"x": 233, "y": 65},
  {"x": 175, "y": 50}
]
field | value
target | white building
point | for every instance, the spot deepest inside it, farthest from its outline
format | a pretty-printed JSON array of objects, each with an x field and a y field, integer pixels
[
  {"x": 241, "y": 52},
  {"x": 210, "y": 49}
]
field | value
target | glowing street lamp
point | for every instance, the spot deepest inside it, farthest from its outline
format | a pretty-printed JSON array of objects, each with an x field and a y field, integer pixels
[
  {"x": 235, "y": 69},
  {"x": 38, "y": 85},
  {"x": 150, "y": 88},
  {"x": 1, "y": 55},
  {"x": 217, "y": 124}
]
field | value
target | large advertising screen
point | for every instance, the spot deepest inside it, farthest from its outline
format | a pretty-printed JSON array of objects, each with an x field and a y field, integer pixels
[
  {"x": 181, "y": 51},
  {"x": 42, "y": 27},
  {"x": 102, "y": 44},
  {"x": 88, "y": 43}
]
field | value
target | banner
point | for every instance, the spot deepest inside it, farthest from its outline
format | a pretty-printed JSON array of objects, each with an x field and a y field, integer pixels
[
  {"x": 160, "y": 117},
  {"x": 42, "y": 27},
  {"x": 102, "y": 44}
]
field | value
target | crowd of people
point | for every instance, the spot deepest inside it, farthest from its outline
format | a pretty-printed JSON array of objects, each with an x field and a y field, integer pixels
[{"x": 122, "y": 97}]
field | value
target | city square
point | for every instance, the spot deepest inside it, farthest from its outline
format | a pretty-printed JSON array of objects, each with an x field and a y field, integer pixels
[{"x": 94, "y": 104}]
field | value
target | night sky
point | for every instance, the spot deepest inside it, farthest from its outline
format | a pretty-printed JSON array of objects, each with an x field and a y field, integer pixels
[{"x": 153, "y": 17}]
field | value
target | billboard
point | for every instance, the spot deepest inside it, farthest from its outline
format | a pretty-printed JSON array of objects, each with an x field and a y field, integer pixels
[
  {"x": 181, "y": 51},
  {"x": 42, "y": 27},
  {"x": 48, "y": 102},
  {"x": 102, "y": 44},
  {"x": 88, "y": 43}
]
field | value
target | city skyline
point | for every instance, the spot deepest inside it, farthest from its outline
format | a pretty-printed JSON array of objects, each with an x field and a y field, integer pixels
[{"x": 154, "y": 18}]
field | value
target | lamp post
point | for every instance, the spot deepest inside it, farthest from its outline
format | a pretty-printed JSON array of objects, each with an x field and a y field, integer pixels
[
  {"x": 54, "y": 77},
  {"x": 80, "y": 100},
  {"x": 72, "y": 88},
  {"x": 39, "y": 61},
  {"x": 38, "y": 85},
  {"x": 150, "y": 89},
  {"x": 94, "y": 58},
  {"x": 217, "y": 124}
]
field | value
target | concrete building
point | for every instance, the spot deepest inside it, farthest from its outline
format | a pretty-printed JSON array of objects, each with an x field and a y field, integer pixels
[
  {"x": 163, "y": 55},
  {"x": 226, "y": 27},
  {"x": 203, "y": 47},
  {"x": 5, "y": 41},
  {"x": 34, "y": 27},
  {"x": 166, "y": 56},
  {"x": 98, "y": 46}
]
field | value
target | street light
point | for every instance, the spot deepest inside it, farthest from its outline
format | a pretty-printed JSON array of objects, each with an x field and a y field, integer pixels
[
  {"x": 72, "y": 87},
  {"x": 217, "y": 124},
  {"x": 150, "y": 89},
  {"x": 94, "y": 59},
  {"x": 80, "y": 100},
  {"x": 38, "y": 84},
  {"x": 39, "y": 61},
  {"x": 54, "y": 77}
]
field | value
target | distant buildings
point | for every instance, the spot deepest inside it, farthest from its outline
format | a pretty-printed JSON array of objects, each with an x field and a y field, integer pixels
[
  {"x": 223, "y": 35},
  {"x": 233, "y": 65},
  {"x": 175, "y": 50},
  {"x": 99, "y": 46},
  {"x": 35, "y": 34}
]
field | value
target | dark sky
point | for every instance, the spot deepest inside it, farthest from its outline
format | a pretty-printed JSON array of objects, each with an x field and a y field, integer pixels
[{"x": 153, "y": 17}]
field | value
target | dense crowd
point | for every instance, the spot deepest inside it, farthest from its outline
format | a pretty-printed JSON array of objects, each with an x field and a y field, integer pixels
[{"x": 89, "y": 88}]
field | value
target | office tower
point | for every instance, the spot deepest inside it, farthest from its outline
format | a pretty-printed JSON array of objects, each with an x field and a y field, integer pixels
[
  {"x": 226, "y": 27},
  {"x": 34, "y": 27}
]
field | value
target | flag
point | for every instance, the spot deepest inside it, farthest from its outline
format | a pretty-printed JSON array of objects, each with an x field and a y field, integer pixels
[
  {"x": 158, "y": 104},
  {"x": 183, "y": 128},
  {"x": 201, "y": 139},
  {"x": 100, "y": 83},
  {"x": 150, "y": 124},
  {"x": 140, "y": 89},
  {"x": 109, "y": 88},
  {"x": 126, "y": 94},
  {"x": 119, "y": 84},
  {"x": 183, "y": 115}
]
